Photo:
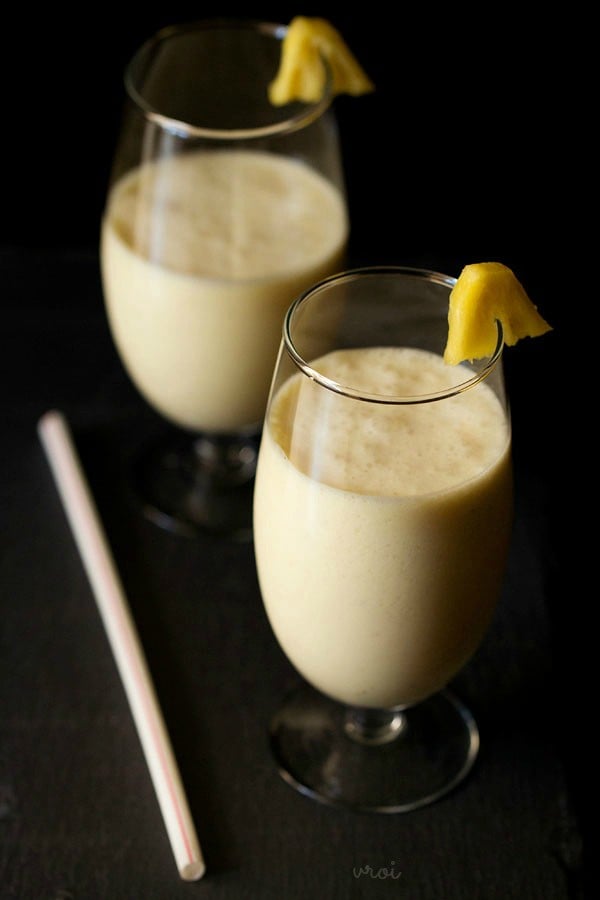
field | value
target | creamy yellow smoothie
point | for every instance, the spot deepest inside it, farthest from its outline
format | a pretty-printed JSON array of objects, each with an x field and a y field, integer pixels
[
  {"x": 201, "y": 255},
  {"x": 381, "y": 533}
]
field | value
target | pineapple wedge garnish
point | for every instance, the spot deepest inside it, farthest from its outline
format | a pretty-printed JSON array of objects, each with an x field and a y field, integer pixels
[
  {"x": 483, "y": 293},
  {"x": 302, "y": 73}
]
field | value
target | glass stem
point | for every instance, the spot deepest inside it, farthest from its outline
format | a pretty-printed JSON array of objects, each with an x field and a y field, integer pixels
[
  {"x": 373, "y": 726},
  {"x": 229, "y": 461}
]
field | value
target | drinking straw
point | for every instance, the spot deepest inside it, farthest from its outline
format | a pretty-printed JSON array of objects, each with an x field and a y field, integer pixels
[{"x": 112, "y": 603}]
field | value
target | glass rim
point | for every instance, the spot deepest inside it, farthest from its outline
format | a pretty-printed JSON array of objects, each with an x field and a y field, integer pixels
[
  {"x": 185, "y": 129},
  {"x": 390, "y": 399}
]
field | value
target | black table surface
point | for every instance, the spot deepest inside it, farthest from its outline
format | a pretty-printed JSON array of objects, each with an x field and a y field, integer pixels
[{"x": 78, "y": 814}]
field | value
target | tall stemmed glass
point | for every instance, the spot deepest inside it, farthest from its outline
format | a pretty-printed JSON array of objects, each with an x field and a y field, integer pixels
[
  {"x": 221, "y": 208},
  {"x": 382, "y": 519}
]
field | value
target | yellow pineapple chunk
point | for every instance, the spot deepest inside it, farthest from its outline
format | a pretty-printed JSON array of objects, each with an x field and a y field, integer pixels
[
  {"x": 484, "y": 293},
  {"x": 302, "y": 74}
]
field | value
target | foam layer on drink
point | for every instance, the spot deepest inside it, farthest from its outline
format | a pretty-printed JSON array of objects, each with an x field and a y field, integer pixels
[
  {"x": 389, "y": 450},
  {"x": 235, "y": 215}
]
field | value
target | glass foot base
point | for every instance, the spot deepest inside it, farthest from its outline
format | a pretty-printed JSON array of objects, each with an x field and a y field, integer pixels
[
  {"x": 195, "y": 485},
  {"x": 423, "y": 754}
]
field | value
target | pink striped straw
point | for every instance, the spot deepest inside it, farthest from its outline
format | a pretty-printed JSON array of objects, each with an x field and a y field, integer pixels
[{"x": 113, "y": 607}]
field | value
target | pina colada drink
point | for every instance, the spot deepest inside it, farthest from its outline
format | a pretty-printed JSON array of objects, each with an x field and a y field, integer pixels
[
  {"x": 202, "y": 253},
  {"x": 381, "y": 531}
]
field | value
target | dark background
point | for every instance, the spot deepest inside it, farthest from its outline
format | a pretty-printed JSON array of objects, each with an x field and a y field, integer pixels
[
  {"x": 460, "y": 152},
  {"x": 470, "y": 149}
]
